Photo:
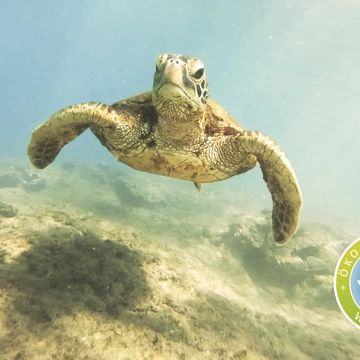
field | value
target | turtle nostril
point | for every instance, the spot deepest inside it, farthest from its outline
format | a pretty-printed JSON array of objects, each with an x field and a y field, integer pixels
[{"x": 174, "y": 61}]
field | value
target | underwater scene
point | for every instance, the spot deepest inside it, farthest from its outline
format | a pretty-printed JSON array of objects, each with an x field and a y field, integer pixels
[{"x": 214, "y": 236}]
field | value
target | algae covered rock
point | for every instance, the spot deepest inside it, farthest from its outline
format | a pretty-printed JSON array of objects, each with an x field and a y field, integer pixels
[
  {"x": 303, "y": 268},
  {"x": 9, "y": 180},
  {"x": 7, "y": 210}
]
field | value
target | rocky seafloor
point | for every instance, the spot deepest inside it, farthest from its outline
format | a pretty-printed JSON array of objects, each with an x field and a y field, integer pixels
[{"x": 98, "y": 263}]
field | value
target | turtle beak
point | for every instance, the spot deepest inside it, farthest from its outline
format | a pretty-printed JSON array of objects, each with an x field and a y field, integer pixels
[
  {"x": 171, "y": 80},
  {"x": 173, "y": 72}
]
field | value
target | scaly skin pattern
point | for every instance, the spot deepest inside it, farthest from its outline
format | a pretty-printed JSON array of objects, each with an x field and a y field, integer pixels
[
  {"x": 128, "y": 129},
  {"x": 173, "y": 136}
]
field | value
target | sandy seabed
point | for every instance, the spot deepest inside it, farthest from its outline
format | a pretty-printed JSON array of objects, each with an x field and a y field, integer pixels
[{"x": 96, "y": 263}]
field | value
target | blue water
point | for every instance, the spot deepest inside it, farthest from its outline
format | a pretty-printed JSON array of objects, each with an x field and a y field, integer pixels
[{"x": 287, "y": 68}]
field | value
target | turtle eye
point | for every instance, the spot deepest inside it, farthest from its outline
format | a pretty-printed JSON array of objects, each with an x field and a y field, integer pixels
[{"x": 199, "y": 73}]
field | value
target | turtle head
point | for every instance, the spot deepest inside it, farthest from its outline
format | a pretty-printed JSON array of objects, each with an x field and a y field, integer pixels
[{"x": 181, "y": 80}]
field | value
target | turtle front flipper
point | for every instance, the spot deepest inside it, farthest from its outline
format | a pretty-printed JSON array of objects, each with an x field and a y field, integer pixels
[
  {"x": 280, "y": 179},
  {"x": 64, "y": 126}
]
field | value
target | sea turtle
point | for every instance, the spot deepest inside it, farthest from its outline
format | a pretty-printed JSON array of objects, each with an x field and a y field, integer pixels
[{"x": 176, "y": 130}]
